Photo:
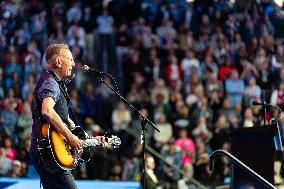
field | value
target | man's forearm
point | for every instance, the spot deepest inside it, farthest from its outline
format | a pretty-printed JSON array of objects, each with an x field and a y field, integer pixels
[{"x": 54, "y": 119}]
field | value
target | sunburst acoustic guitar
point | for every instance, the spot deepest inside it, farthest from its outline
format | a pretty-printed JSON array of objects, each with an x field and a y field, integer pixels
[{"x": 58, "y": 156}]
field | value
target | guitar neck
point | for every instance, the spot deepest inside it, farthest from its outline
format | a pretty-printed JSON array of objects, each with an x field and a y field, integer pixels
[
  {"x": 92, "y": 141},
  {"x": 88, "y": 140}
]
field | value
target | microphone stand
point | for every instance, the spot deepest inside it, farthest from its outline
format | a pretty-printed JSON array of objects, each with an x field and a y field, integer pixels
[
  {"x": 144, "y": 121},
  {"x": 263, "y": 107}
]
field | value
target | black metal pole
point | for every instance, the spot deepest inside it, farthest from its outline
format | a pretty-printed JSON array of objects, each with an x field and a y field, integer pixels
[
  {"x": 240, "y": 164},
  {"x": 143, "y": 124},
  {"x": 263, "y": 108}
]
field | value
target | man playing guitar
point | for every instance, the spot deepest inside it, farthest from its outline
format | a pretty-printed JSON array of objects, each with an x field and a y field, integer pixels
[{"x": 50, "y": 106}]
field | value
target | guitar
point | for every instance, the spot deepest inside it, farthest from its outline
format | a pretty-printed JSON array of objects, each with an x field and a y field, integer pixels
[{"x": 58, "y": 156}]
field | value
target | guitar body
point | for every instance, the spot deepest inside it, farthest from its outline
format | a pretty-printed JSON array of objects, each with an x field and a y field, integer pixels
[{"x": 56, "y": 154}]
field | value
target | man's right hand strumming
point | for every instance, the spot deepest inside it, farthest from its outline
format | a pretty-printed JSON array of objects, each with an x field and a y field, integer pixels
[{"x": 74, "y": 142}]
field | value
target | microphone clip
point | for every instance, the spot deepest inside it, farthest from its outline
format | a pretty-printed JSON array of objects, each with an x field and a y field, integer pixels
[{"x": 86, "y": 68}]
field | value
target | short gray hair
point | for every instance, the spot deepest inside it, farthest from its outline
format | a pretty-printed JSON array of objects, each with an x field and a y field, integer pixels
[{"x": 54, "y": 49}]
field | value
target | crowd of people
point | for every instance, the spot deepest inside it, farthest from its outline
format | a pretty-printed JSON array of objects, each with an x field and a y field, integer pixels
[{"x": 192, "y": 67}]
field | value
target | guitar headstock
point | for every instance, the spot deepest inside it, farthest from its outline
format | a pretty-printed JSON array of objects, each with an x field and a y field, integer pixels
[{"x": 114, "y": 141}]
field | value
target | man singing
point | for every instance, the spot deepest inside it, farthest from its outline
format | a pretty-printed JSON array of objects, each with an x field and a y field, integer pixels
[{"x": 50, "y": 105}]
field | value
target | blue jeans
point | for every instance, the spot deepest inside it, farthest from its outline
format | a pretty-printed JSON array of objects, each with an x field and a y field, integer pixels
[{"x": 48, "y": 179}]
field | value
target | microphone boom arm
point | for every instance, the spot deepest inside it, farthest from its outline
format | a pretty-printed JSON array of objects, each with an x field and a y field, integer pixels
[
  {"x": 264, "y": 105},
  {"x": 129, "y": 104},
  {"x": 145, "y": 120}
]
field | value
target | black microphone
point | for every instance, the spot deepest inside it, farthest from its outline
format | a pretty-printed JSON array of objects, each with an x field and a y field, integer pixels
[
  {"x": 264, "y": 104},
  {"x": 86, "y": 68},
  {"x": 256, "y": 103}
]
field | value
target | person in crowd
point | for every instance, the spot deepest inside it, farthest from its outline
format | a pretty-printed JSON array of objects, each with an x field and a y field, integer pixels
[
  {"x": 277, "y": 96},
  {"x": 10, "y": 150},
  {"x": 24, "y": 123},
  {"x": 5, "y": 163},
  {"x": 28, "y": 87},
  {"x": 248, "y": 120},
  {"x": 8, "y": 119},
  {"x": 173, "y": 71},
  {"x": 187, "y": 146},
  {"x": 151, "y": 180},
  {"x": 121, "y": 118},
  {"x": 16, "y": 169},
  {"x": 166, "y": 131},
  {"x": 90, "y": 101},
  {"x": 132, "y": 164},
  {"x": 187, "y": 63},
  {"x": 235, "y": 88},
  {"x": 105, "y": 23},
  {"x": 252, "y": 92},
  {"x": 173, "y": 155}
]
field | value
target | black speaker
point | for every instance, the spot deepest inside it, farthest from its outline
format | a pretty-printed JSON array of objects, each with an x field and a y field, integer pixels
[{"x": 255, "y": 147}]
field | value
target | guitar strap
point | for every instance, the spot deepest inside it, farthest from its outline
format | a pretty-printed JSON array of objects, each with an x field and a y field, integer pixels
[{"x": 63, "y": 89}]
